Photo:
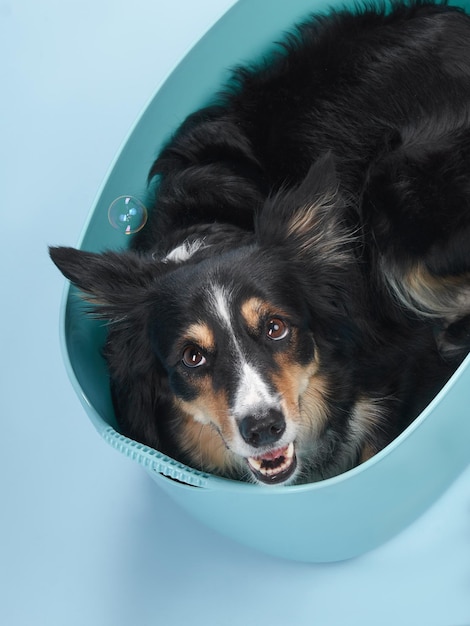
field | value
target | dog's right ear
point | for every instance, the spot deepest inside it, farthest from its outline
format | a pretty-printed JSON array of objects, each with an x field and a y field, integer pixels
[
  {"x": 310, "y": 220},
  {"x": 111, "y": 281}
]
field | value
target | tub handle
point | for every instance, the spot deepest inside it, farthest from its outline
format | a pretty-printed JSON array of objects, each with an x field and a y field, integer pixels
[{"x": 155, "y": 461}]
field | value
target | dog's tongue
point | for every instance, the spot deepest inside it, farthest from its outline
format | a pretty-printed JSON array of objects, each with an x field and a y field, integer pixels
[{"x": 274, "y": 454}]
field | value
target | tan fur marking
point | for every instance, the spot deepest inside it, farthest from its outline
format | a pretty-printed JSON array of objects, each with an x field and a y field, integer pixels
[
  {"x": 314, "y": 406},
  {"x": 427, "y": 294},
  {"x": 304, "y": 220},
  {"x": 420, "y": 279},
  {"x": 303, "y": 393},
  {"x": 201, "y": 335},
  {"x": 367, "y": 453},
  {"x": 366, "y": 420},
  {"x": 208, "y": 406},
  {"x": 316, "y": 230},
  {"x": 203, "y": 417},
  {"x": 205, "y": 446},
  {"x": 254, "y": 309},
  {"x": 290, "y": 382}
]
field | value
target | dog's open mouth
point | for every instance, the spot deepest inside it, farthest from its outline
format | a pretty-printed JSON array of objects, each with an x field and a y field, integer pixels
[{"x": 274, "y": 467}]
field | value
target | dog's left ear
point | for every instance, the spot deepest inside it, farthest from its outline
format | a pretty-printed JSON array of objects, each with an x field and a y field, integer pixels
[
  {"x": 310, "y": 219},
  {"x": 112, "y": 281}
]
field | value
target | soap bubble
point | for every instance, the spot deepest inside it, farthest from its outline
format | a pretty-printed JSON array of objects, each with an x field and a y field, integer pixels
[{"x": 127, "y": 214}]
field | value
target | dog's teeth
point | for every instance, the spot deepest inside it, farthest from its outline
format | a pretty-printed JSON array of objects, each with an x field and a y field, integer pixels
[{"x": 256, "y": 463}]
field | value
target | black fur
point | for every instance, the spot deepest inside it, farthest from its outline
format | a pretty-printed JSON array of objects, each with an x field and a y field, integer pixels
[{"x": 331, "y": 179}]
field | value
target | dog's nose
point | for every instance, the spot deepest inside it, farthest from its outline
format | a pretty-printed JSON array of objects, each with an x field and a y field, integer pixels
[{"x": 261, "y": 430}]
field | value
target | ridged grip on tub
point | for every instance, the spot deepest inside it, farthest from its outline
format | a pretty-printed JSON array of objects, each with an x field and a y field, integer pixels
[{"x": 154, "y": 460}]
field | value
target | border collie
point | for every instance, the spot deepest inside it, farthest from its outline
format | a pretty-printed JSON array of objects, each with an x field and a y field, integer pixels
[{"x": 301, "y": 290}]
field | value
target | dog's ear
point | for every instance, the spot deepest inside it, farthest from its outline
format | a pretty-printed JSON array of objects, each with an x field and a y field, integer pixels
[
  {"x": 117, "y": 286},
  {"x": 314, "y": 229},
  {"x": 112, "y": 281},
  {"x": 311, "y": 219}
]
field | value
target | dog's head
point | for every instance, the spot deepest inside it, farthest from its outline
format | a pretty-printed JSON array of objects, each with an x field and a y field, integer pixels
[{"x": 230, "y": 352}]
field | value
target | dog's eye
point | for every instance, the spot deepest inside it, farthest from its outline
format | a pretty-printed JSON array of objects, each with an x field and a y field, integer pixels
[
  {"x": 193, "y": 357},
  {"x": 276, "y": 329}
]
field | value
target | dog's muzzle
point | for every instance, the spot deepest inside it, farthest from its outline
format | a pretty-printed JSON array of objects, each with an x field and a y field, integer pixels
[
  {"x": 274, "y": 468},
  {"x": 276, "y": 465}
]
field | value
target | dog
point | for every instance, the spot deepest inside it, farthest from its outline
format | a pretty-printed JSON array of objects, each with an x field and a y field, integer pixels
[{"x": 301, "y": 290}]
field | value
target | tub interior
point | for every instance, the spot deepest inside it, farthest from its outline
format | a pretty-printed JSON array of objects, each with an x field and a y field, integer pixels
[{"x": 189, "y": 86}]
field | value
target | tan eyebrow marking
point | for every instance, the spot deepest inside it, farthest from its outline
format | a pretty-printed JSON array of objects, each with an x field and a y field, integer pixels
[
  {"x": 251, "y": 311},
  {"x": 254, "y": 309},
  {"x": 200, "y": 334}
]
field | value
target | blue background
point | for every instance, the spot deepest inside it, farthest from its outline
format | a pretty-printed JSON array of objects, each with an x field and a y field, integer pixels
[{"x": 85, "y": 536}]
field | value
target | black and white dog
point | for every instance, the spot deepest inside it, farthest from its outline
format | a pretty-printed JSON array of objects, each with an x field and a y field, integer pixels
[{"x": 302, "y": 288}]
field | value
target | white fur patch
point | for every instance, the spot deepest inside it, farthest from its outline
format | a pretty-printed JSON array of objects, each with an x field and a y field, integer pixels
[
  {"x": 252, "y": 391},
  {"x": 221, "y": 305},
  {"x": 184, "y": 251}
]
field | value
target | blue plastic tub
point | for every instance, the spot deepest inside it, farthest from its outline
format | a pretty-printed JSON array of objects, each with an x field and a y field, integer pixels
[{"x": 331, "y": 520}]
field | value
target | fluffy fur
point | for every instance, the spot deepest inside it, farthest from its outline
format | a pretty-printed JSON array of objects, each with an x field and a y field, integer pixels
[{"x": 301, "y": 290}]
